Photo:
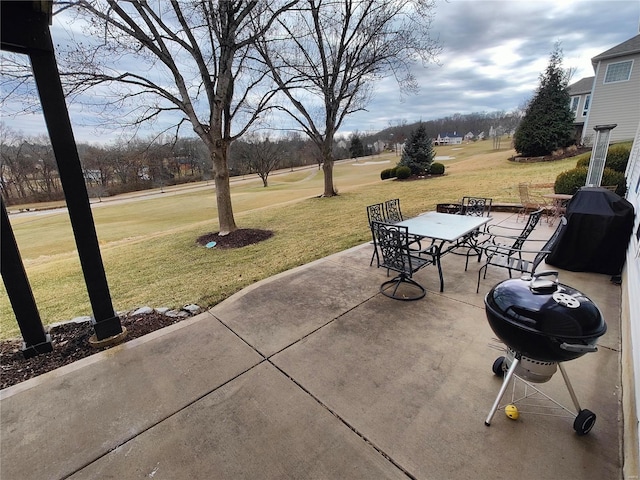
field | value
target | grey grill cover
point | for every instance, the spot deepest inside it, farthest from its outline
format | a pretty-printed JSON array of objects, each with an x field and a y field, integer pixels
[{"x": 595, "y": 239}]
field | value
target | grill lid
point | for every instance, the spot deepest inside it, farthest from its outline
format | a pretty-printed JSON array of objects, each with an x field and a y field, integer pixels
[{"x": 542, "y": 305}]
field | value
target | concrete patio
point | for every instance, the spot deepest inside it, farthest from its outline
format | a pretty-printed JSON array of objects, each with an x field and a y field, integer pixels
[{"x": 312, "y": 374}]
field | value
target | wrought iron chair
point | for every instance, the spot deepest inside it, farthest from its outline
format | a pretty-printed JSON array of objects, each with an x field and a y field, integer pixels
[
  {"x": 393, "y": 243},
  {"x": 375, "y": 213},
  {"x": 469, "y": 245},
  {"x": 393, "y": 214},
  {"x": 514, "y": 257},
  {"x": 476, "y": 206},
  {"x": 529, "y": 201}
]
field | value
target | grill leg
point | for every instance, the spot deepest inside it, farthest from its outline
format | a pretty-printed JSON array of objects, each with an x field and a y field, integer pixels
[
  {"x": 574, "y": 399},
  {"x": 503, "y": 388}
]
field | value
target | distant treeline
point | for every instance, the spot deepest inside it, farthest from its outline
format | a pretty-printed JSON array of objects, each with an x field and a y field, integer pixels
[
  {"x": 502, "y": 123},
  {"x": 28, "y": 170}
]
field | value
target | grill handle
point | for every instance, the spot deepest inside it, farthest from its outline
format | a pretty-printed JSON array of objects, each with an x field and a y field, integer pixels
[
  {"x": 570, "y": 347},
  {"x": 539, "y": 284}
]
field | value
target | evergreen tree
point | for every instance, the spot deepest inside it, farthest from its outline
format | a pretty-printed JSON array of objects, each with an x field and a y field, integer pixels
[
  {"x": 356, "y": 147},
  {"x": 548, "y": 121},
  {"x": 418, "y": 153}
]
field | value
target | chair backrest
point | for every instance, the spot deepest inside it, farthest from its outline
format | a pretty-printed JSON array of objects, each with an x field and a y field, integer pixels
[
  {"x": 375, "y": 213},
  {"x": 476, "y": 206},
  {"x": 525, "y": 198},
  {"x": 550, "y": 244},
  {"x": 393, "y": 242},
  {"x": 393, "y": 213},
  {"x": 532, "y": 221}
]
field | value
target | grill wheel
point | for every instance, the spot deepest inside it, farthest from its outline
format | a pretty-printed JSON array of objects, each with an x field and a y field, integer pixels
[
  {"x": 584, "y": 422},
  {"x": 498, "y": 367}
]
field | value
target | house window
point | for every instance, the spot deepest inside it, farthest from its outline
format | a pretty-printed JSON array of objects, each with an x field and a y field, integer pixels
[
  {"x": 574, "y": 104},
  {"x": 587, "y": 100},
  {"x": 618, "y": 72}
]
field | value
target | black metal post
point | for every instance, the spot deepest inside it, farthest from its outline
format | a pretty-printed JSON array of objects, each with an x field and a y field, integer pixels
[
  {"x": 19, "y": 291},
  {"x": 45, "y": 71}
]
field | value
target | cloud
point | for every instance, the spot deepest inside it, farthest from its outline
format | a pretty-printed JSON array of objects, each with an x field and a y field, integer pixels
[{"x": 493, "y": 54}]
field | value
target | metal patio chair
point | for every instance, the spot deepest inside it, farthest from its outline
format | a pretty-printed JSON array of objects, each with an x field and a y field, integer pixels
[
  {"x": 393, "y": 214},
  {"x": 375, "y": 213},
  {"x": 514, "y": 257},
  {"x": 529, "y": 201},
  {"x": 469, "y": 245},
  {"x": 476, "y": 206},
  {"x": 393, "y": 243}
]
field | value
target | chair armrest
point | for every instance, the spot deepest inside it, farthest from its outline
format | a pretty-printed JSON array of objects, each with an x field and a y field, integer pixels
[
  {"x": 490, "y": 227},
  {"x": 506, "y": 250}
]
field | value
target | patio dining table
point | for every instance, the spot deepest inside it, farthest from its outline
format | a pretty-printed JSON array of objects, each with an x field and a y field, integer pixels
[
  {"x": 445, "y": 229},
  {"x": 560, "y": 201}
]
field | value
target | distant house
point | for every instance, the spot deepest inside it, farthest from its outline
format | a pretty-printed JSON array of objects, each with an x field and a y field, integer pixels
[
  {"x": 379, "y": 146},
  {"x": 580, "y": 99},
  {"x": 612, "y": 96},
  {"x": 448, "y": 139}
]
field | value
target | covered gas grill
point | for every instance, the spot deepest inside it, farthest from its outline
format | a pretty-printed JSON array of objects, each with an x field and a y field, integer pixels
[
  {"x": 599, "y": 226},
  {"x": 542, "y": 323}
]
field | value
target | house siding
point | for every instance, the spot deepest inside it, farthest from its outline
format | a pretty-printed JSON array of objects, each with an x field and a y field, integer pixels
[
  {"x": 615, "y": 102},
  {"x": 581, "y": 90},
  {"x": 630, "y": 317}
]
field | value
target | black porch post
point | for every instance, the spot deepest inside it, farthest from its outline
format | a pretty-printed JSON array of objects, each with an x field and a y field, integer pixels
[
  {"x": 19, "y": 291},
  {"x": 45, "y": 71}
]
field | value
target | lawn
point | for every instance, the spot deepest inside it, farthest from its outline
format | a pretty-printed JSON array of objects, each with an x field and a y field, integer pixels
[{"x": 149, "y": 246}]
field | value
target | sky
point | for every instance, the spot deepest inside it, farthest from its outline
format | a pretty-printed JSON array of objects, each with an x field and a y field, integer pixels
[{"x": 493, "y": 53}]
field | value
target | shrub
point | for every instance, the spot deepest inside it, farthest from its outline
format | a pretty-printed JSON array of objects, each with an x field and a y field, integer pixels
[
  {"x": 393, "y": 172},
  {"x": 403, "y": 172},
  {"x": 385, "y": 174},
  {"x": 569, "y": 182},
  {"x": 436, "y": 168},
  {"x": 612, "y": 177},
  {"x": 618, "y": 157},
  {"x": 583, "y": 160}
]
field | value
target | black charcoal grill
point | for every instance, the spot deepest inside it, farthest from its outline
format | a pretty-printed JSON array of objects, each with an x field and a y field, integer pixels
[{"x": 542, "y": 323}]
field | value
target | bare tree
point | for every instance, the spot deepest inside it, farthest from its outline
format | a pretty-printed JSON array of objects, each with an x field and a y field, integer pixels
[
  {"x": 326, "y": 56},
  {"x": 46, "y": 179},
  {"x": 260, "y": 155},
  {"x": 96, "y": 165},
  {"x": 186, "y": 57}
]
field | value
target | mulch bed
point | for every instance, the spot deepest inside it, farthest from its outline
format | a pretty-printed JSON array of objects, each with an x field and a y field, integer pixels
[
  {"x": 70, "y": 343},
  {"x": 236, "y": 239},
  {"x": 71, "y": 340}
]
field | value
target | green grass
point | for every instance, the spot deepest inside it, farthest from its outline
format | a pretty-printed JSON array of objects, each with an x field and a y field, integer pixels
[{"x": 151, "y": 257}]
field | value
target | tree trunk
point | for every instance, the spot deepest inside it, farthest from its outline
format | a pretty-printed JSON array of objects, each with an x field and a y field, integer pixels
[
  {"x": 223, "y": 189},
  {"x": 327, "y": 165},
  {"x": 327, "y": 168}
]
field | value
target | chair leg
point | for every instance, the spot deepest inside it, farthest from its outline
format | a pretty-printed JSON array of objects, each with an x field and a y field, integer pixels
[
  {"x": 477, "y": 253},
  {"x": 480, "y": 273},
  {"x": 390, "y": 288},
  {"x": 375, "y": 255}
]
